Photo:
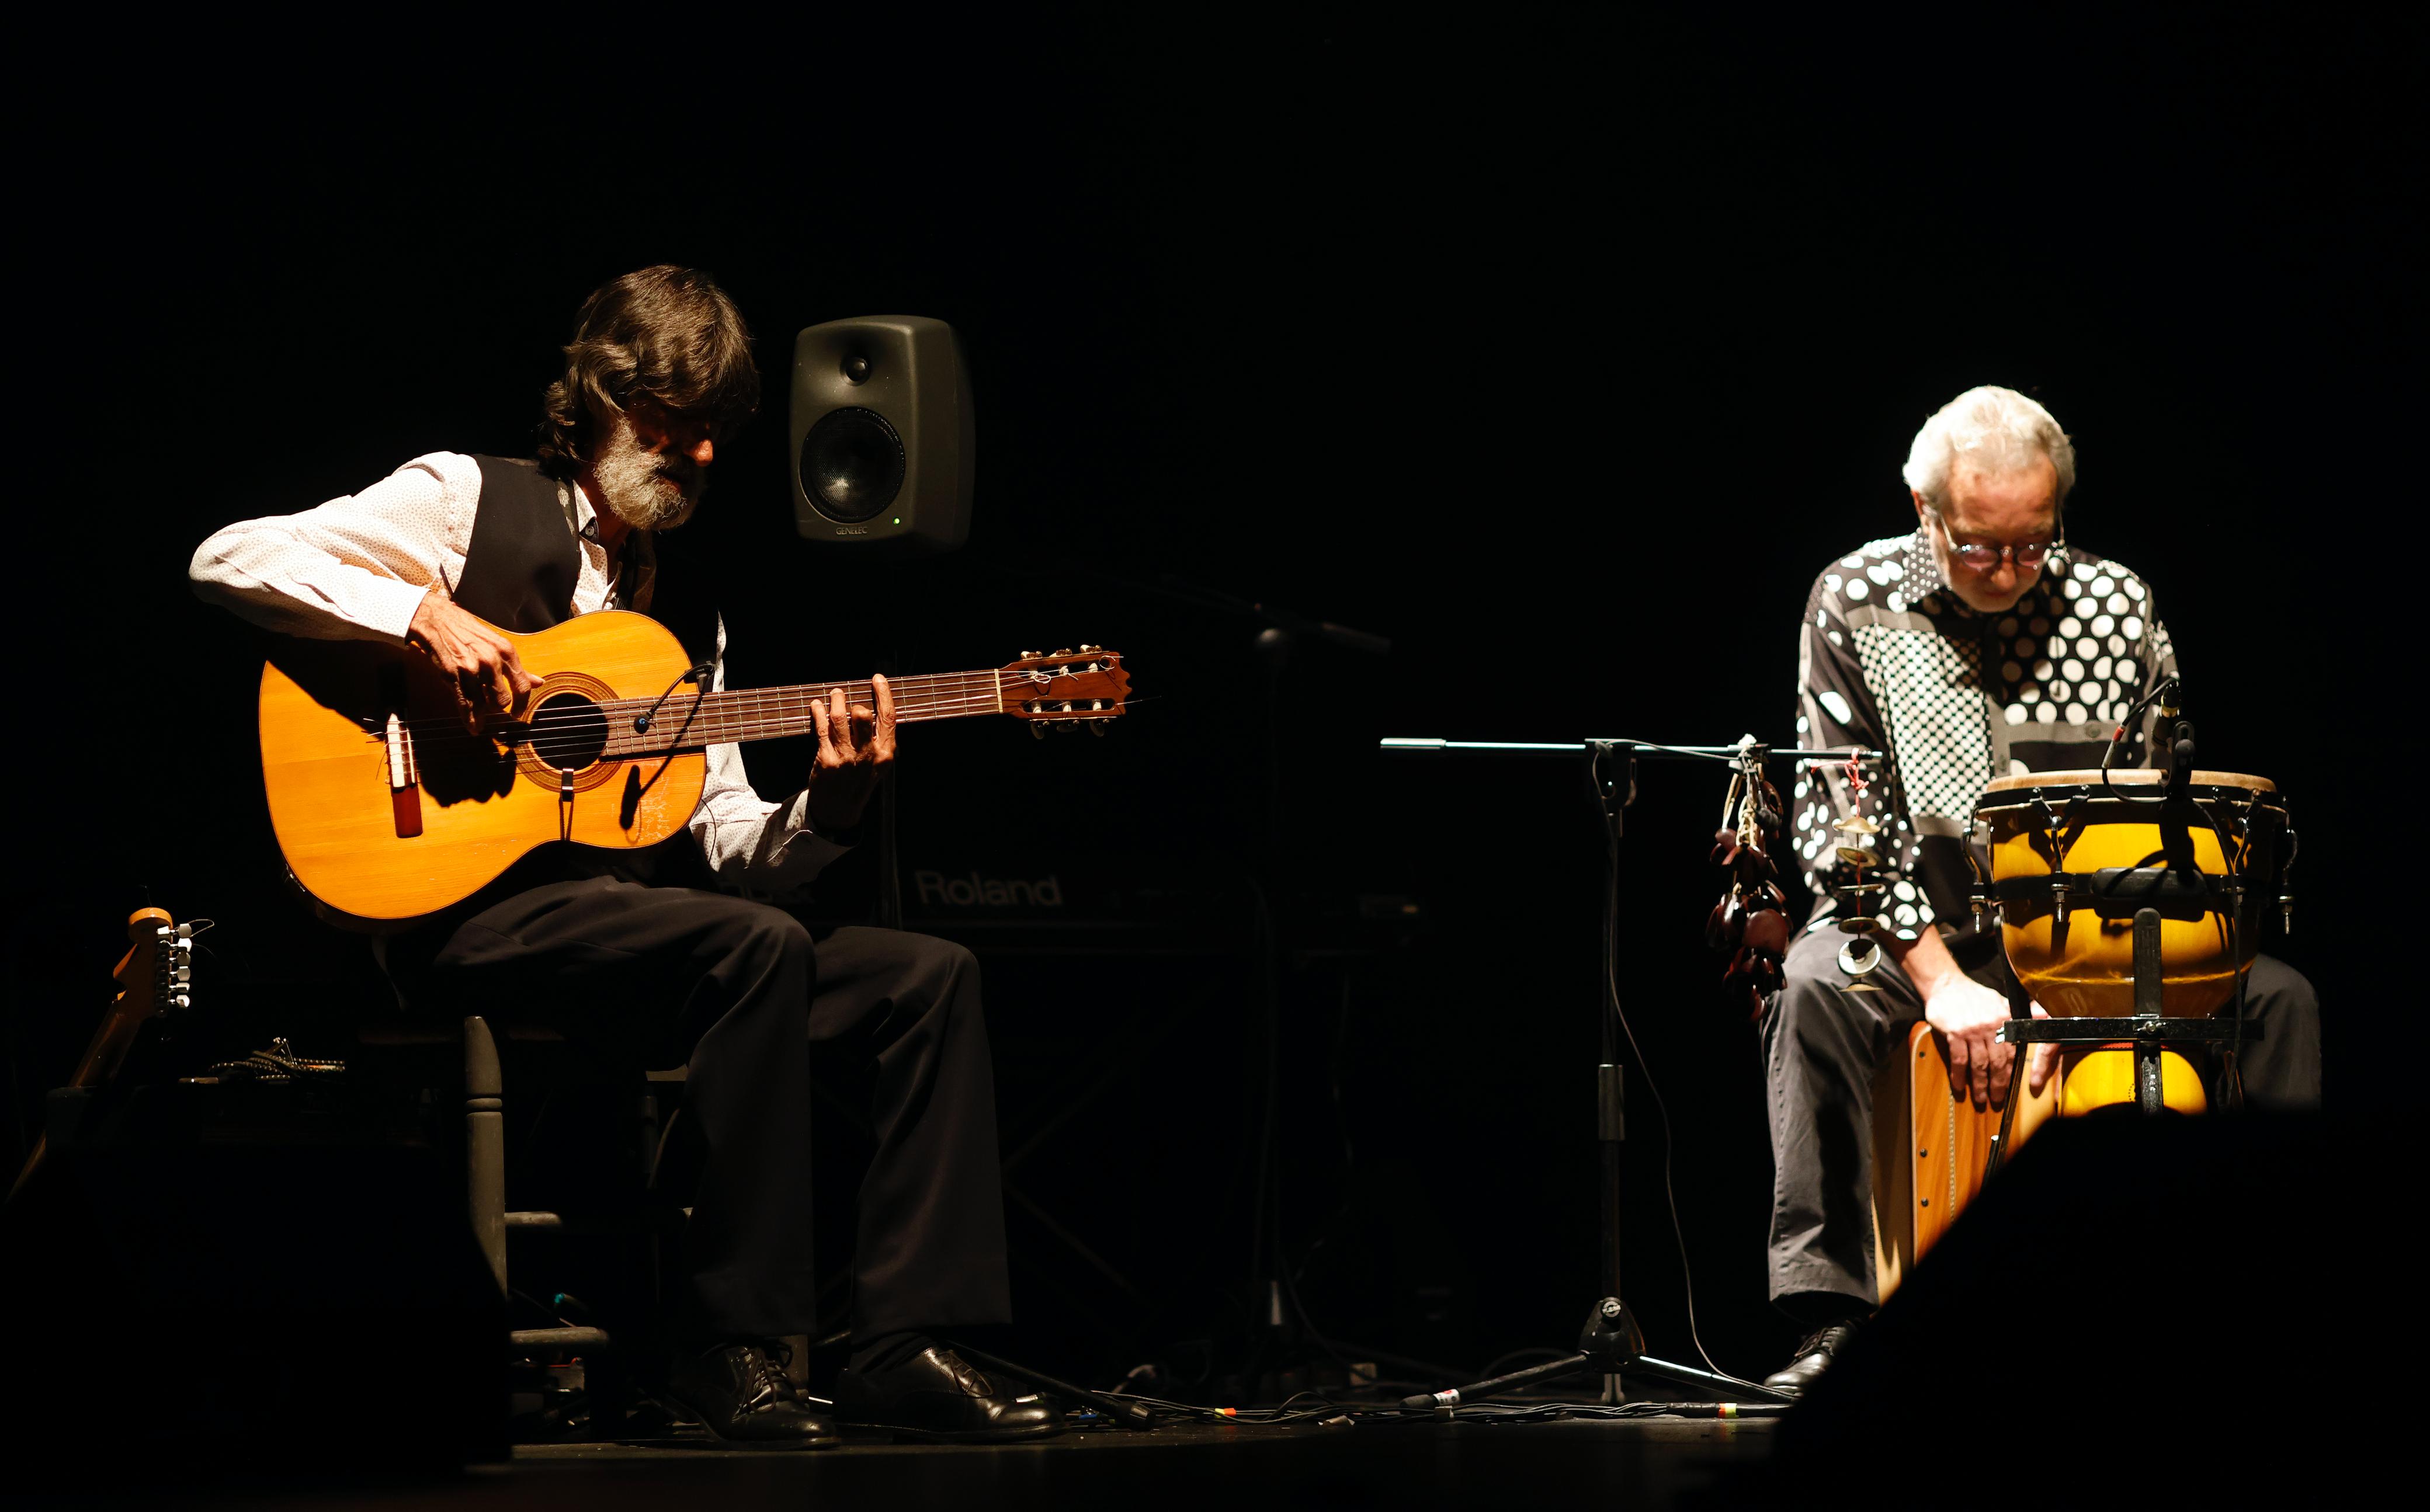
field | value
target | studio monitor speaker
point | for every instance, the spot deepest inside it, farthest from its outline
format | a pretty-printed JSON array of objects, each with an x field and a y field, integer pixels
[{"x": 882, "y": 435}]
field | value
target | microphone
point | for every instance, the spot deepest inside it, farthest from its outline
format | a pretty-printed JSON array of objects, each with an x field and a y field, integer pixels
[
  {"x": 2180, "y": 737},
  {"x": 700, "y": 674}
]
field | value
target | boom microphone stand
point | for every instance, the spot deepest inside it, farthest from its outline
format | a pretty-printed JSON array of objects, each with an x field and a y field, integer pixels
[{"x": 1612, "y": 1344}]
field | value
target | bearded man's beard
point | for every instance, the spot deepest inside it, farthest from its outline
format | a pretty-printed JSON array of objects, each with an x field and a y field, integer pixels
[{"x": 647, "y": 490}]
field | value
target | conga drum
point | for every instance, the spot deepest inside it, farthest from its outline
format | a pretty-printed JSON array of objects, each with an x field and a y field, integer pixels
[{"x": 2075, "y": 857}]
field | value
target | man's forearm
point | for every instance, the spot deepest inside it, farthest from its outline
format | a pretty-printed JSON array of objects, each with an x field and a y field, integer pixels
[{"x": 1925, "y": 960}]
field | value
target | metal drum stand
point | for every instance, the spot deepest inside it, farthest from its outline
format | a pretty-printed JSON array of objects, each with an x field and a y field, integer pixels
[{"x": 2148, "y": 1032}]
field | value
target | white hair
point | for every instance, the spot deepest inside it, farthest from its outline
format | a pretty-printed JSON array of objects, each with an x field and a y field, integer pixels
[{"x": 1998, "y": 430}]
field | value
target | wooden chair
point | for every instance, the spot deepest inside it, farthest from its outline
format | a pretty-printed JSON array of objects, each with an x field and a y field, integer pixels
[{"x": 608, "y": 1358}]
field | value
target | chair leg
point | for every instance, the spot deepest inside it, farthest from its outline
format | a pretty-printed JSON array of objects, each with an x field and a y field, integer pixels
[{"x": 485, "y": 1145}]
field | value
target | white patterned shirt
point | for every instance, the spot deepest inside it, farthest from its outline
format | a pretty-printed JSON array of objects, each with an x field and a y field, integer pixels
[
  {"x": 1893, "y": 661},
  {"x": 357, "y": 566}
]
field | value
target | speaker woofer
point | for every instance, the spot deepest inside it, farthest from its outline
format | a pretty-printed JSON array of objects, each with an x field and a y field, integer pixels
[{"x": 852, "y": 465}]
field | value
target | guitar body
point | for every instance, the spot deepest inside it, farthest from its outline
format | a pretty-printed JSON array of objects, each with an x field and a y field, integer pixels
[{"x": 387, "y": 809}]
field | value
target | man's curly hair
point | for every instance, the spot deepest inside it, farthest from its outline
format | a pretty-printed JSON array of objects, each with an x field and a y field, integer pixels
[{"x": 667, "y": 335}]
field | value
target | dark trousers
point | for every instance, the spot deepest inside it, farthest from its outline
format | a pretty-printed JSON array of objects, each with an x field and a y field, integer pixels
[
  {"x": 739, "y": 992},
  {"x": 1821, "y": 1045}
]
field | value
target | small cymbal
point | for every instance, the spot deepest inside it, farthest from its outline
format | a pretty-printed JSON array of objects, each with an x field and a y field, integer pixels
[
  {"x": 1858, "y": 825},
  {"x": 1855, "y": 857},
  {"x": 1857, "y": 963},
  {"x": 1859, "y": 925},
  {"x": 1858, "y": 985}
]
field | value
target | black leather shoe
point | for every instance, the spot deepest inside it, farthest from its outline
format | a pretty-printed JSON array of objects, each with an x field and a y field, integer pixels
[
  {"x": 745, "y": 1400},
  {"x": 935, "y": 1396},
  {"x": 1815, "y": 1352}
]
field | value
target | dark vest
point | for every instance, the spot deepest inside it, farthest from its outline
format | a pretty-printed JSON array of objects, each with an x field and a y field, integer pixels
[{"x": 522, "y": 562}]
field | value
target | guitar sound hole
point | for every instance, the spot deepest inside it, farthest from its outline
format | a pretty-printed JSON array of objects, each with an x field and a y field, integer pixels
[{"x": 567, "y": 732}]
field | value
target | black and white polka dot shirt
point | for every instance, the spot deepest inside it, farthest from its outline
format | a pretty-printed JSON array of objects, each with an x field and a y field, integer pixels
[{"x": 1892, "y": 660}]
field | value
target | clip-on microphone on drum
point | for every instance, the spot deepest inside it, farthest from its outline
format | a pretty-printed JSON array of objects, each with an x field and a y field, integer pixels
[{"x": 2181, "y": 738}]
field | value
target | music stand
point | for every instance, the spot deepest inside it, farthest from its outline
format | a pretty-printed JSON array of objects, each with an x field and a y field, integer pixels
[{"x": 1611, "y": 1343}]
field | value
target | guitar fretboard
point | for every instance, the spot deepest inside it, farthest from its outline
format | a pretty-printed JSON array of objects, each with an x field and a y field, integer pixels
[{"x": 690, "y": 719}]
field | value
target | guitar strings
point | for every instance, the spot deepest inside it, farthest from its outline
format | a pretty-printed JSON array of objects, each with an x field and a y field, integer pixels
[
  {"x": 690, "y": 728},
  {"x": 723, "y": 708},
  {"x": 755, "y": 705},
  {"x": 908, "y": 690},
  {"x": 680, "y": 734},
  {"x": 755, "y": 709}
]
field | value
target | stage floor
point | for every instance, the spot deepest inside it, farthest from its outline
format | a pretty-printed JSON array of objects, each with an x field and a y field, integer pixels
[{"x": 1640, "y": 1463}]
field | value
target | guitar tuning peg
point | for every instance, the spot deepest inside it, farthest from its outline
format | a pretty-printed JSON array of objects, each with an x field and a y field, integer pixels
[
  {"x": 1087, "y": 648},
  {"x": 1029, "y": 656},
  {"x": 1097, "y": 726},
  {"x": 1037, "y": 730},
  {"x": 1065, "y": 652}
]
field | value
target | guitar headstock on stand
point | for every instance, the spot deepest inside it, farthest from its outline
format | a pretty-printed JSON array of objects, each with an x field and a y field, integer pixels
[
  {"x": 155, "y": 977},
  {"x": 1065, "y": 690},
  {"x": 158, "y": 971}
]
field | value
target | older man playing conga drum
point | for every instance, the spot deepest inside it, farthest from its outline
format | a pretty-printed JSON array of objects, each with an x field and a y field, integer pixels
[{"x": 1980, "y": 645}]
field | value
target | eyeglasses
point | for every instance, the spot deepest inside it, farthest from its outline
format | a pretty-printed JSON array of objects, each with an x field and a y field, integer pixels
[{"x": 1985, "y": 559}]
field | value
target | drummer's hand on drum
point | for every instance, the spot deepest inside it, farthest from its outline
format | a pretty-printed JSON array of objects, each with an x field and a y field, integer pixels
[{"x": 1969, "y": 1015}]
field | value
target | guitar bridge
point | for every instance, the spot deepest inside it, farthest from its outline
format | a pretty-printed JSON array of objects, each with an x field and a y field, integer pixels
[{"x": 404, "y": 782}]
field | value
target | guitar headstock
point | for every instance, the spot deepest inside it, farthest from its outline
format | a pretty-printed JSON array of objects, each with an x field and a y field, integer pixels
[
  {"x": 1066, "y": 689},
  {"x": 157, "y": 970}
]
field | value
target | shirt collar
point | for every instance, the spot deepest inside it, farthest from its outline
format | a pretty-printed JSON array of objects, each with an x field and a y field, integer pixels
[
  {"x": 578, "y": 509},
  {"x": 1920, "y": 571}
]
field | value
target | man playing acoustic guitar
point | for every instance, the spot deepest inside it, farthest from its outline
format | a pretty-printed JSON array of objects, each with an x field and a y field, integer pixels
[{"x": 654, "y": 950}]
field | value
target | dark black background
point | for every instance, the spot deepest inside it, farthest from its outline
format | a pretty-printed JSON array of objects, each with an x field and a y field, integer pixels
[{"x": 1561, "y": 349}]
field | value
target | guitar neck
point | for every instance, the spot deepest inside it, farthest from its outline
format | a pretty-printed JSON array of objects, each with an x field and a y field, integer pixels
[{"x": 689, "y": 719}]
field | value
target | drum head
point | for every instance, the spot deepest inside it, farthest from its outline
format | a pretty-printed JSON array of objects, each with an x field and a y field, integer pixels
[{"x": 2122, "y": 777}]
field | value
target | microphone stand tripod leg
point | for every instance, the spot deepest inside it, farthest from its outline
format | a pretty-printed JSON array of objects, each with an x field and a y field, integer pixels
[{"x": 1609, "y": 1344}]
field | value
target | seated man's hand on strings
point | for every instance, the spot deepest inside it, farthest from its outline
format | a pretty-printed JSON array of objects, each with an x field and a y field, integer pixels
[
  {"x": 855, "y": 748},
  {"x": 475, "y": 654}
]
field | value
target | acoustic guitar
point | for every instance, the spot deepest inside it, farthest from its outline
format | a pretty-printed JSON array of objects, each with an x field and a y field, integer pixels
[
  {"x": 388, "y": 806},
  {"x": 156, "y": 973}
]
